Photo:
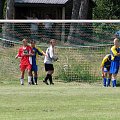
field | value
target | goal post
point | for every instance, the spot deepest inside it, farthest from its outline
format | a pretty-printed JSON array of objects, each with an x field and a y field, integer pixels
[{"x": 81, "y": 46}]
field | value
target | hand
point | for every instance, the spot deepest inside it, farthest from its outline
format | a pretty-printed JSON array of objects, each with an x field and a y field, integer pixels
[
  {"x": 31, "y": 54},
  {"x": 55, "y": 58},
  {"x": 103, "y": 75},
  {"x": 16, "y": 56}
]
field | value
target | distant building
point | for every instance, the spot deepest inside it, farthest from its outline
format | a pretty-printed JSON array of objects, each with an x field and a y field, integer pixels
[{"x": 57, "y": 9}]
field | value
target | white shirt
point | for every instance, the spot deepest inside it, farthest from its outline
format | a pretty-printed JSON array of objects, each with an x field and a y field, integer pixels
[{"x": 50, "y": 53}]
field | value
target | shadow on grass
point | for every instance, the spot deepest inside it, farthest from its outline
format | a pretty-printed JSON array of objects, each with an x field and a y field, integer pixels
[{"x": 118, "y": 85}]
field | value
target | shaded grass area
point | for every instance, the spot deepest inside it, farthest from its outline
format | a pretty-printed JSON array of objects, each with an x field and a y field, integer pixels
[{"x": 71, "y": 101}]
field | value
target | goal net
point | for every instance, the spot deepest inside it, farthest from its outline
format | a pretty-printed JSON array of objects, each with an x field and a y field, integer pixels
[{"x": 81, "y": 46}]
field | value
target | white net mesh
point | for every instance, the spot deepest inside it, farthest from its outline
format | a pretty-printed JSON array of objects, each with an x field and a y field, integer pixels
[{"x": 80, "y": 47}]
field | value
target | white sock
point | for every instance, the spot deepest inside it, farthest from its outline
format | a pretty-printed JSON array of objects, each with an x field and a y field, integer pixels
[
  {"x": 21, "y": 81},
  {"x": 29, "y": 79}
]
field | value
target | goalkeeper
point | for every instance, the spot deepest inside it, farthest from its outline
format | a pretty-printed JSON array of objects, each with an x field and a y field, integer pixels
[
  {"x": 48, "y": 61},
  {"x": 105, "y": 67}
]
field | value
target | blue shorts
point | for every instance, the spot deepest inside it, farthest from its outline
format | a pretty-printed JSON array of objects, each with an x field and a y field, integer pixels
[
  {"x": 114, "y": 67},
  {"x": 34, "y": 68}
]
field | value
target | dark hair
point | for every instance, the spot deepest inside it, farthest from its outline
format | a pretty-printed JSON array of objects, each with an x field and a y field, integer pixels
[{"x": 32, "y": 41}]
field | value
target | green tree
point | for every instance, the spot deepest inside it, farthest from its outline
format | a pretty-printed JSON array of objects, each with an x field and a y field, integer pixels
[
  {"x": 107, "y": 9},
  {"x": 2, "y": 8}
]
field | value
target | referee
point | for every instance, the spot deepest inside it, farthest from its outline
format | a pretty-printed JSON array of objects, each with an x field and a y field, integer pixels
[{"x": 48, "y": 61}]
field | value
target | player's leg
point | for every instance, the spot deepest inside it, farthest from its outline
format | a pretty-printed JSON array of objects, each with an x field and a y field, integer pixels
[
  {"x": 104, "y": 76},
  {"x": 46, "y": 78},
  {"x": 29, "y": 73},
  {"x": 109, "y": 76},
  {"x": 50, "y": 76},
  {"x": 35, "y": 74},
  {"x": 47, "y": 75},
  {"x": 32, "y": 81},
  {"x": 35, "y": 77},
  {"x": 50, "y": 70},
  {"x": 22, "y": 69},
  {"x": 114, "y": 76},
  {"x": 109, "y": 79},
  {"x": 105, "y": 79},
  {"x": 114, "y": 71},
  {"x": 22, "y": 77}
]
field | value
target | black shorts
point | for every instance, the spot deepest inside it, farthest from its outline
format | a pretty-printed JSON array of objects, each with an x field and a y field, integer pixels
[{"x": 49, "y": 67}]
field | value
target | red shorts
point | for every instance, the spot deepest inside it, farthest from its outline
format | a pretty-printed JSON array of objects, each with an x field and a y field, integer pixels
[{"x": 25, "y": 67}]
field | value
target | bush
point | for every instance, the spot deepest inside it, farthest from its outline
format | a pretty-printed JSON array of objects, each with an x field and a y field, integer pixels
[{"x": 77, "y": 72}]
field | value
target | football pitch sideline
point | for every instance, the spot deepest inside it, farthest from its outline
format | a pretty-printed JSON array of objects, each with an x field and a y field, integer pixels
[{"x": 63, "y": 101}]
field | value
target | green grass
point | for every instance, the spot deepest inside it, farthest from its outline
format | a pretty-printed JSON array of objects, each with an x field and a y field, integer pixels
[{"x": 63, "y": 101}]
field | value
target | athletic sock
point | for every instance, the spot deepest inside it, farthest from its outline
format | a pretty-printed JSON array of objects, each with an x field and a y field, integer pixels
[
  {"x": 35, "y": 79},
  {"x": 21, "y": 81},
  {"x": 29, "y": 79},
  {"x": 50, "y": 79},
  {"x": 46, "y": 78},
  {"x": 108, "y": 82},
  {"x": 104, "y": 81},
  {"x": 114, "y": 83},
  {"x": 32, "y": 81}
]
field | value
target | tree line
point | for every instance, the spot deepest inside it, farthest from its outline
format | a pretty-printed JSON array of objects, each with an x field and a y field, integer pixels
[{"x": 104, "y": 9}]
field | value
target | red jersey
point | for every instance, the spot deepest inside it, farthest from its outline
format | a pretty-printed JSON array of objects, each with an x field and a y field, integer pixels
[{"x": 25, "y": 60}]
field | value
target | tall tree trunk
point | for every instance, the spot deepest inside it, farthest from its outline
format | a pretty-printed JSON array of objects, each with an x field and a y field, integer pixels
[
  {"x": 8, "y": 28},
  {"x": 84, "y": 29},
  {"x": 83, "y": 11},
  {"x": 75, "y": 14},
  {"x": 75, "y": 10},
  {"x": 10, "y": 9}
]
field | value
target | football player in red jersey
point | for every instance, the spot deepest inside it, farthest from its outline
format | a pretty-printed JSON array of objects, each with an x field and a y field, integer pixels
[{"x": 25, "y": 54}]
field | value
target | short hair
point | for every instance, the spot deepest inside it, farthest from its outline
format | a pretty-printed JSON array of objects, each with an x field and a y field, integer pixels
[
  {"x": 52, "y": 40},
  {"x": 24, "y": 40}
]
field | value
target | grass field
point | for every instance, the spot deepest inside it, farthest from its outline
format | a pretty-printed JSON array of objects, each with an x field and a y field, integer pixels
[{"x": 63, "y": 101}]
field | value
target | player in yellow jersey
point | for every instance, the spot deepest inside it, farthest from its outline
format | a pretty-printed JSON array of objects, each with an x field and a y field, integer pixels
[
  {"x": 37, "y": 51},
  {"x": 115, "y": 52},
  {"x": 105, "y": 67}
]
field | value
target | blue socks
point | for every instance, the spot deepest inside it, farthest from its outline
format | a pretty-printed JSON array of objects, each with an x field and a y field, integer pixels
[
  {"x": 104, "y": 82},
  {"x": 108, "y": 82},
  {"x": 114, "y": 83},
  {"x": 35, "y": 79}
]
